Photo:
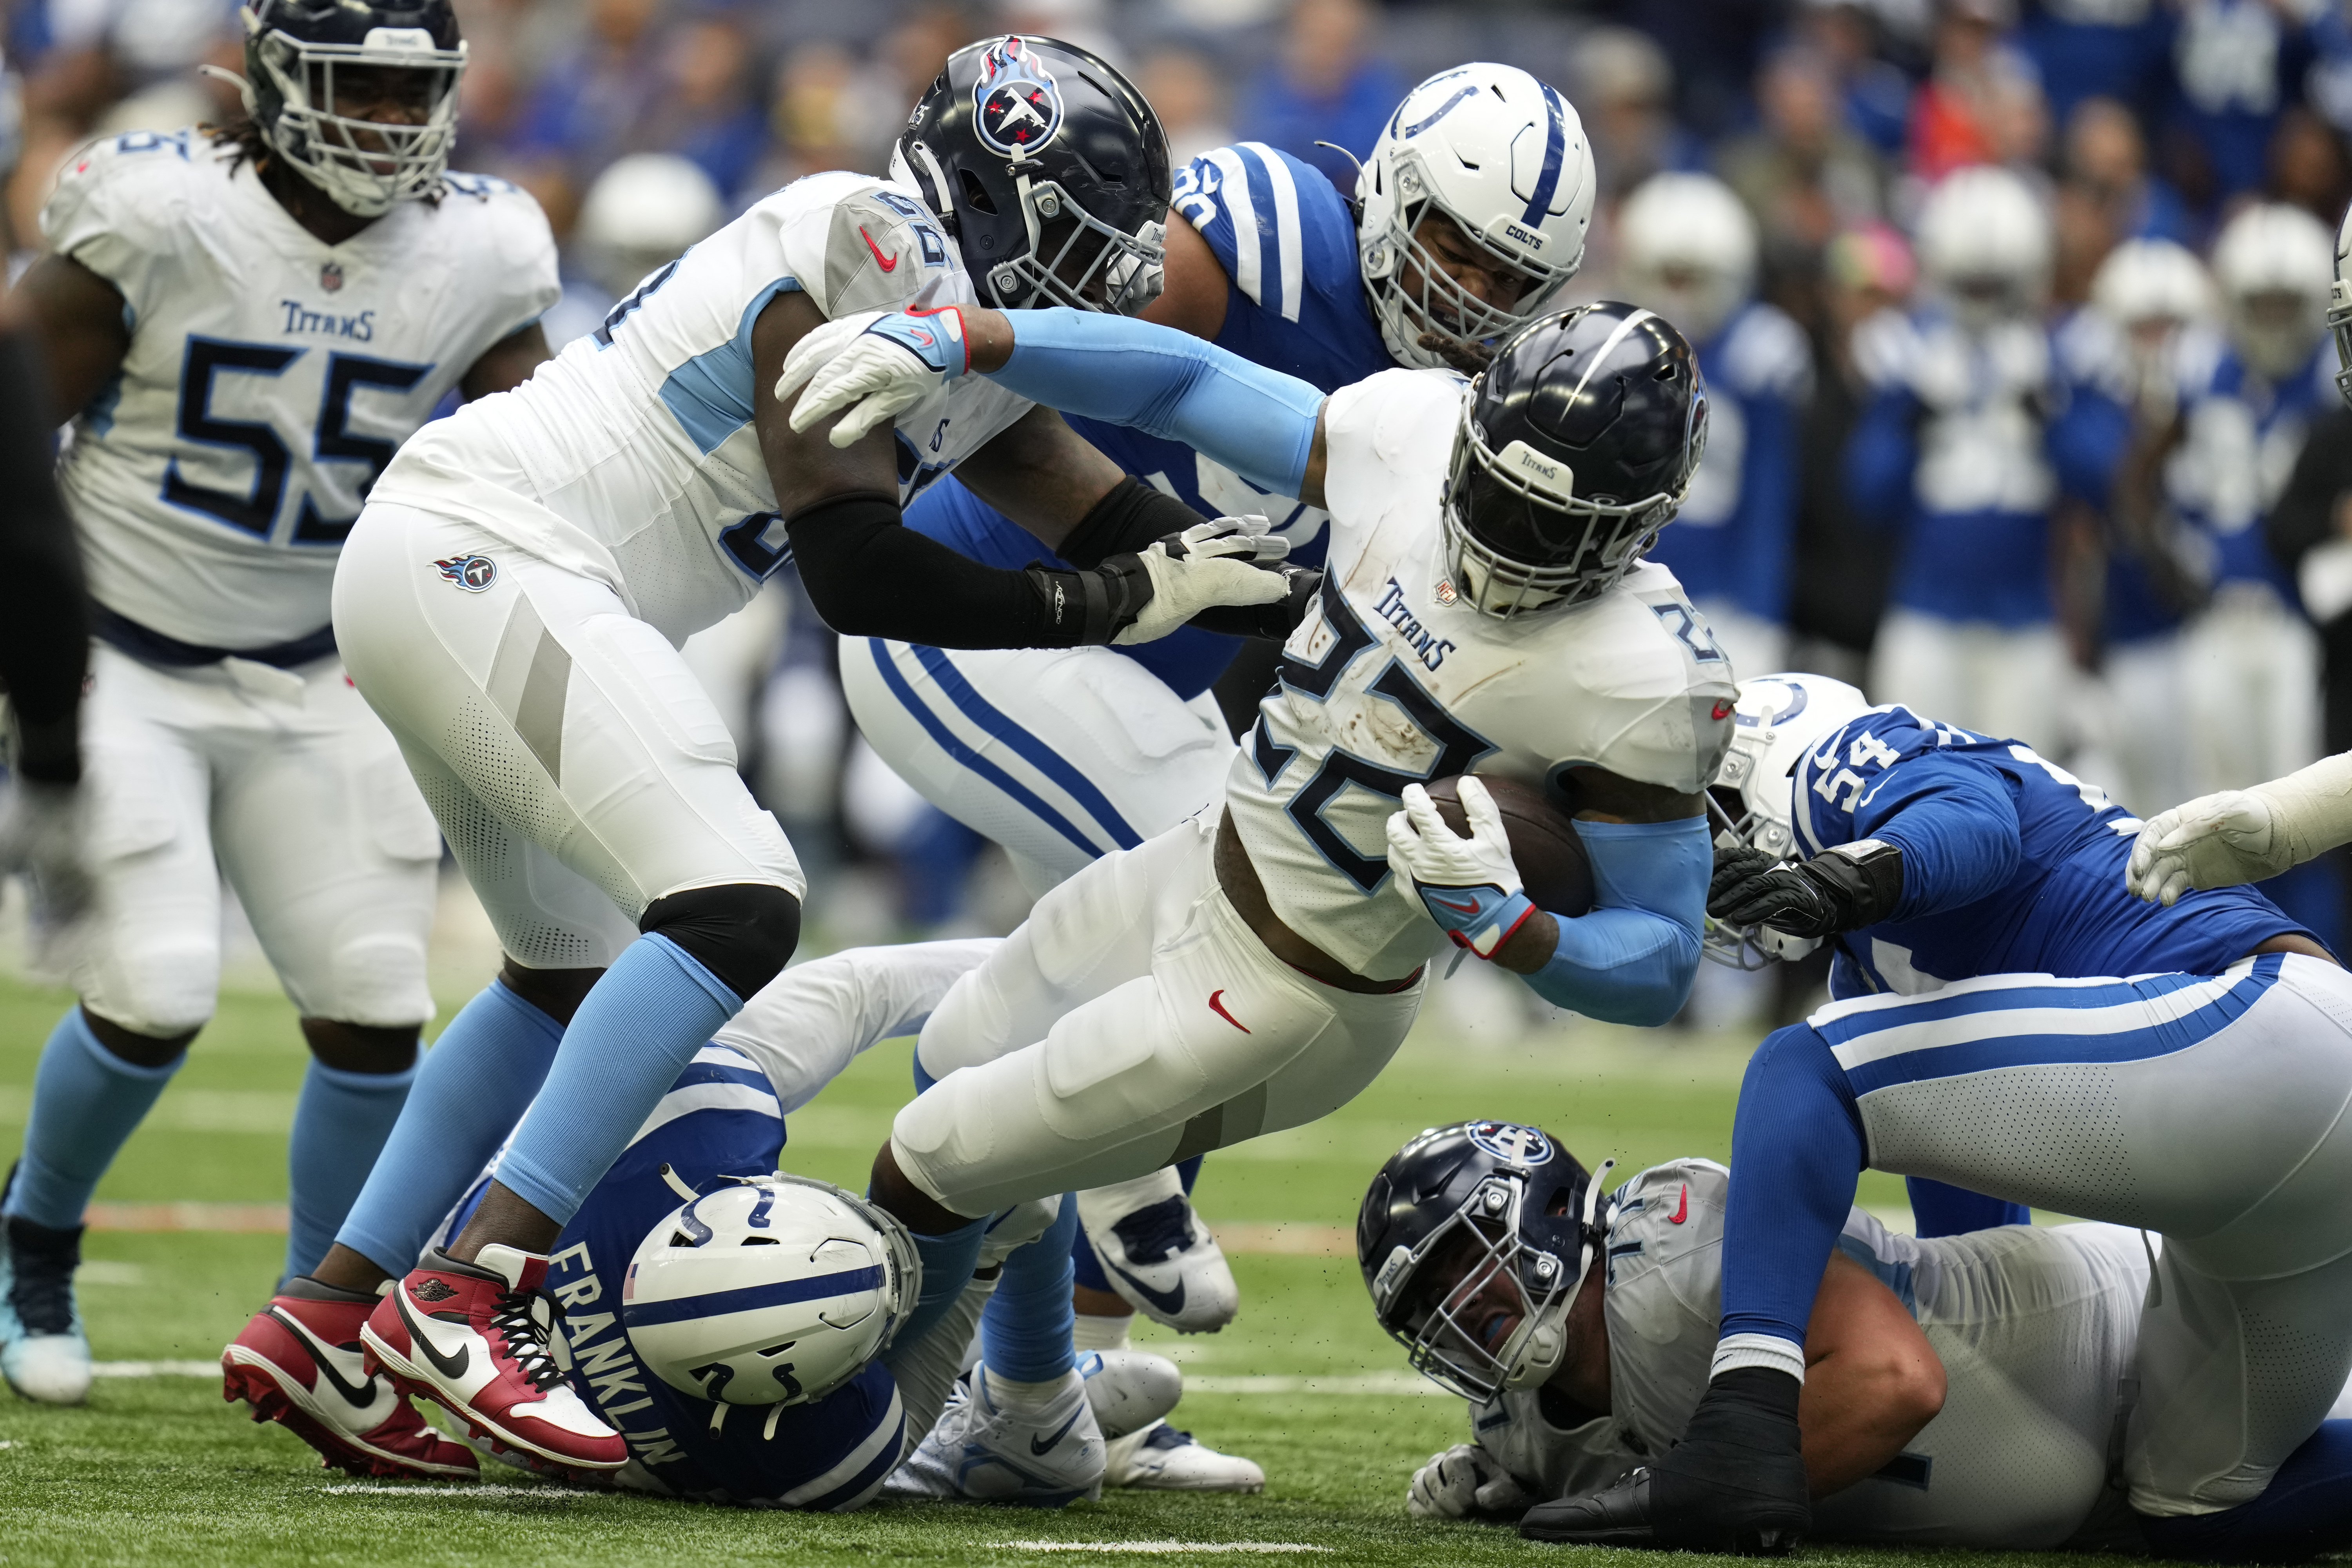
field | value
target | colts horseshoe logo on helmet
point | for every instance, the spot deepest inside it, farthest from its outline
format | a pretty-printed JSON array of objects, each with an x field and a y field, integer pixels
[{"x": 1017, "y": 104}]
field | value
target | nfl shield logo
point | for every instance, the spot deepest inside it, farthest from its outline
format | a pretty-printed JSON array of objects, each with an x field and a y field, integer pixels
[
  {"x": 331, "y": 276},
  {"x": 1017, "y": 105}
]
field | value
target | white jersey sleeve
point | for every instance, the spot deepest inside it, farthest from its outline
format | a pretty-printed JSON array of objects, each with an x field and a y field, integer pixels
[
  {"x": 632, "y": 456},
  {"x": 1393, "y": 679},
  {"x": 270, "y": 376},
  {"x": 2035, "y": 1327}
]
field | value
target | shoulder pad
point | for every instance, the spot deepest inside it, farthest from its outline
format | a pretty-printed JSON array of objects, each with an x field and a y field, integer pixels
[
  {"x": 1883, "y": 347},
  {"x": 1273, "y": 221},
  {"x": 881, "y": 247},
  {"x": 1661, "y": 647}
]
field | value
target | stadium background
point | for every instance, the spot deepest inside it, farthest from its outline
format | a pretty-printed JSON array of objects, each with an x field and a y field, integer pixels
[{"x": 1829, "y": 120}]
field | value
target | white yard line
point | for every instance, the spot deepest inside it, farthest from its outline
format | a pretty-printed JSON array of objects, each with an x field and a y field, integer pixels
[
  {"x": 1159, "y": 1548},
  {"x": 156, "y": 1369},
  {"x": 1386, "y": 1383},
  {"x": 363, "y": 1488}
]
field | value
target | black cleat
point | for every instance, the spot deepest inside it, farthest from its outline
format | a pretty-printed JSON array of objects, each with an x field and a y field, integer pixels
[{"x": 1735, "y": 1484}]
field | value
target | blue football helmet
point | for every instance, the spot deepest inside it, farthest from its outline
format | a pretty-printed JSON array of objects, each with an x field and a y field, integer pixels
[
  {"x": 1474, "y": 1240},
  {"x": 300, "y": 57}
]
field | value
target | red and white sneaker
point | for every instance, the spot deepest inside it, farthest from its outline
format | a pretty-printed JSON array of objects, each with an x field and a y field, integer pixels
[
  {"x": 472, "y": 1338},
  {"x": 298, "y": 1362}
]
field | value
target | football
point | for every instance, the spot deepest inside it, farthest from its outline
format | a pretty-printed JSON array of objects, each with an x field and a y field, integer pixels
[{"x": 1551, "y": 857}]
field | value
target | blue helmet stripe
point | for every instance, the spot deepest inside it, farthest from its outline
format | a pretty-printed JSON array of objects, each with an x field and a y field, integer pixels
[
  {"x": 779, "y": 1293},
  {"x": 1555, "y": 154}
]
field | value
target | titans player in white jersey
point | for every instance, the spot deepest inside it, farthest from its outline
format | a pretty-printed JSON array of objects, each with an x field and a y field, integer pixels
[
  {"x": 1963, "y": 1391},
  {"x": 1485, "y": 607},
  {"x": 245, "y": 323},
  {"x": 1474, "y": 207},
  {"x": 1975, "y": 894},
  {"x": 512, "y": 601}
]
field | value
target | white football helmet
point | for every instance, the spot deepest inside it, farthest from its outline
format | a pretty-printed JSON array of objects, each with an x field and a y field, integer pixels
[
  {"x": 1689, "y": 249},
  {"x": 2339, "y": 310},
  {"x": 2150, "y": 280},
  {"x": 1506, "y": 158},
  {"x": 1776, "y": 719},
  {"x": 644, "y": 210},
  {"x": 1985, "y": 245},
  {"x": 2273, "y": 267},
  {"x": 772, "y": 1291}
]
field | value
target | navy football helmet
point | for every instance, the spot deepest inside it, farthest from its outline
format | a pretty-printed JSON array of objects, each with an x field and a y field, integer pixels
[
  {"x": 1050, "y": 171},
  {"x": 1474, "y": 1240},
  {"x": 297, "y": 52},
  {"x": 1576, "y": 447}
]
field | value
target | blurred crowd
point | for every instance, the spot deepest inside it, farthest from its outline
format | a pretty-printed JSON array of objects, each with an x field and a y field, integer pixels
[{"x": 2011, "y": 312}]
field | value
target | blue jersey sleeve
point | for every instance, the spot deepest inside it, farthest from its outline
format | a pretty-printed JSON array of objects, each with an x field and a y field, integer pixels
[
  {"x": 1955, "y": 821},
  {"x": 1880, "y": 456}
]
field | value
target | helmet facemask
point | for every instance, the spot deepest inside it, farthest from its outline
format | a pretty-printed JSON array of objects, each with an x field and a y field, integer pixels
[
  {"x": 1517, "y": 538},
  {"x": 1398, "y": 255},
  {"x": 1075, "y": 258},
  {"x": 1478, "y": 1310},
  {"x": 363, "y": 167},
  {"x": 2340, "y": 322},
  {"x": 1736, "y": 827}
]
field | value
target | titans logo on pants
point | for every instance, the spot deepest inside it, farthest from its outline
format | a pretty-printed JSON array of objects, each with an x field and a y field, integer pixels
[
  {"x": 471, "y": 573},
  {"x": 1016, "y": 103}
]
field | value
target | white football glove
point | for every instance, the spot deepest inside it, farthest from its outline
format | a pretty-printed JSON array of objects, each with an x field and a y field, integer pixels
[
  {"x": 876, "y": 363},
  {"x": 1209, "y": 564},
  {"x": 2213, "y": 841},
  {"x": 41, "y": 836},
  {"x": 1463, "y": 1480},
  {"x": 1471, "y": 887}
]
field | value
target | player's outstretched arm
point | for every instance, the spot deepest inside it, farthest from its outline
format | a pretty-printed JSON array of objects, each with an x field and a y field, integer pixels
[
  {"x": 1263, "y": 425},
  {"x": 1632, "y": 958},
  {"x": 1872, "y": 1380},
  {"x": 869, "y": 575},
  {"x": 2243, "y": 836}
]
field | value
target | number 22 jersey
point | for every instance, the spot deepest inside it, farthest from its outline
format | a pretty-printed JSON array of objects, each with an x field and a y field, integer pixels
[
  {"x": 1393, "y": 680},
  {"x": 270, "y": 376}
]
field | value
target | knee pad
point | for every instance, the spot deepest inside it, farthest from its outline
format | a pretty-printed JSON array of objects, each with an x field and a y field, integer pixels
[{"x": 741, "y": 931}]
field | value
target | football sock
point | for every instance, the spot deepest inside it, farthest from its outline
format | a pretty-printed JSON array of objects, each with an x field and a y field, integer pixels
[
  {"x": 948, "y": 1261},
  {"x": 1020, "y": 1395},
  {"x": 639, "y": 1026},
  {"x": 2306, "y": 1510},
  {"x": 87, "y": 1101},
  {"x": 340, "y": 1126},
  {"x": 1939, "y": 1208},
  {"x": 467, "y": 1092},
  {"x": 1091, "y": 1333},
  {"x": 1024, "y": 1331},
  {"x": 1797, "y": 1143}
]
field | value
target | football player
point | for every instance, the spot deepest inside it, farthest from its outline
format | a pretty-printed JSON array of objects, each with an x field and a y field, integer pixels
[
  {"x": 512, "y": 602},
  {"x": 1688, "y": 252},
  {"x": 246, "y": 322},
  {"x": 665, "y": 1341},
  {"x": 1973, "y": 893},
  {"x": 1960, "y": 1392},
  {"x": 1473, "y": 206},
  {"x": 1486, "y": 606}
]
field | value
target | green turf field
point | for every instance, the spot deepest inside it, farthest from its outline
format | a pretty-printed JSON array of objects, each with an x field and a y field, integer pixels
[{"x": 156, "y": 1468}]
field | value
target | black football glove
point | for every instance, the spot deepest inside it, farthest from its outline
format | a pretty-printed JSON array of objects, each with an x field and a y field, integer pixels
[{"x": 1840, "y": 890}]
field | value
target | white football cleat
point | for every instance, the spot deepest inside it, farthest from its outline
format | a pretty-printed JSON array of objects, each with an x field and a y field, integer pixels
[
  {"x": 43, "y": 1352},
  {"x": 978, "y": 1453},
  {"x": 1129, "y": 1390},
  {"x": 1162, "y": 1458},
  {"x": 1158, "y": 1254}
]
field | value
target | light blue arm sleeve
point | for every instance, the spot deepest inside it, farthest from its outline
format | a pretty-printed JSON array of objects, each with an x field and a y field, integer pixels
[
  {"x": 1631, "y": 960},
  {"x": 1257, "y": 422}
]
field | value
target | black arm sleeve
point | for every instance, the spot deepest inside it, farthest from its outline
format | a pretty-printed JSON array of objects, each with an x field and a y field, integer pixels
[
  {"x": 44, "y": 625},
  {"x": 1129, "y": 516},
  {"x": 2304, "y": 515},
  {"x": 869, "y": 575}
]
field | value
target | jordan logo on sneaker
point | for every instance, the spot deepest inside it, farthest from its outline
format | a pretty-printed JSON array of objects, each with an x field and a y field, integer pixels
[
  {"x": 358, "y": 1396},
  {"x": 432, "y": 1290},
  {"x": 1042, "y": 1445},
  {"x": 1219, "y": 1009},
  {"x": 449, "y": 1366}
]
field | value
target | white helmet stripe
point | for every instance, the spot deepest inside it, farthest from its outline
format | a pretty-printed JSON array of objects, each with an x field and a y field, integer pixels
[{"x": 1600, "y": 355}]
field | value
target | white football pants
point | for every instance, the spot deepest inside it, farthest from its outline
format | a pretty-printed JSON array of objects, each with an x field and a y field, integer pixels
[
  {"x": 2007, "y": 682},
  {"x": 2250, "y": 690},
  {"x": 1131, "y": 1022},
  {"x": 286, "y": 780},
  {"x": 1058, "y": 755},
  {"x": 578, "y": 770},
  {"x": 2210, "y": 1110}
]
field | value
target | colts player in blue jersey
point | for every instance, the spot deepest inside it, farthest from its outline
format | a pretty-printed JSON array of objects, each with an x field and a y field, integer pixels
[
  {"x": 1974, "y": 893},
  {"x": 1061, "y": 757}
]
